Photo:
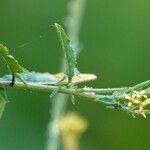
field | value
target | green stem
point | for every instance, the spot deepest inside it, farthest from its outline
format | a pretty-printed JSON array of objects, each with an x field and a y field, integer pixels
[
  {"x": 82, "y": 92},
  {"x": 103, "y": 90},
  {"x": 60, "y": 101},
  {"x": 74, "y": 22}
]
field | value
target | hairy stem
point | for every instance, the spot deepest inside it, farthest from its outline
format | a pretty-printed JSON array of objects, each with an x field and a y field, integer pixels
[{"x": 81, "y": 92}]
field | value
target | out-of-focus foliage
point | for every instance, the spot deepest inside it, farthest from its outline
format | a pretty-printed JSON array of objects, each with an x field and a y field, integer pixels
[
  {"x": 115, "y": 46},
  {"x": 3, "y": 101}
]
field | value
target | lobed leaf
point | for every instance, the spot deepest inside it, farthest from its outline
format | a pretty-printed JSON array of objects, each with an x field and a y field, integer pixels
[{"x": 71, "y": 60}]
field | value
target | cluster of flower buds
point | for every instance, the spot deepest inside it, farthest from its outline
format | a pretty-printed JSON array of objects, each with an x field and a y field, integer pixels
[{"x": 137, "y": 101}]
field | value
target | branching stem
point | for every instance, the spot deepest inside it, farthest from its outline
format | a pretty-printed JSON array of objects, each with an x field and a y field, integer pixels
[{"x": 89, "y": 93}]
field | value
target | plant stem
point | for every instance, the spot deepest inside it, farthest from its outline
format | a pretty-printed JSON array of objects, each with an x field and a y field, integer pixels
[
  {"x": 81, "y": 92},
  {"x": 60, "y": 101}
]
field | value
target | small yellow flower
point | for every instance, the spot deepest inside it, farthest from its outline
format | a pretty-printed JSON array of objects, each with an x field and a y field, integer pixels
[
  {"x": 137, "y": 101},
  {"x": 139, "y": 93},
  {"x": 146, "y": 102},
  {"x": 130, "y": 104}
]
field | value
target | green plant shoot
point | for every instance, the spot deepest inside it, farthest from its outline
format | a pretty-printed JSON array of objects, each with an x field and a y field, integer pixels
[
  {"x": 12, "y": 65},
  {"x": 71, "y": 60}
]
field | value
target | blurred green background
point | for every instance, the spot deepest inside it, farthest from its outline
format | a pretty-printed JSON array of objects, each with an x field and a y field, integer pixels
[{"x": 115, "y": 37}]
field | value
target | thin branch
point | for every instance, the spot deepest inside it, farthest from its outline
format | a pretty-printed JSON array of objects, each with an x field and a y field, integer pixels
[
  {"x": 102, "y": 90},
  {"x": 92, "y": 94}
]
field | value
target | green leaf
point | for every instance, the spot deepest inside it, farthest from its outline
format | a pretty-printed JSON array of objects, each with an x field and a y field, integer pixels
[
  {"x": 12, "y": 64},
  {"x": 3, "y": 100},
  {"x": 108, "y": 100},
  {"x": 71, "y": 60}
]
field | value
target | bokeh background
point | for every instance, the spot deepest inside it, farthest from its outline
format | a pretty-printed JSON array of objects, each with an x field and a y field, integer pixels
[{"x": 115, "y": 38}]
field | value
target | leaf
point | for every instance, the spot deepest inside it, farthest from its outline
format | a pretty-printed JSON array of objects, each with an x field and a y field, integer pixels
[
  {"x": 3, "y": 100},
  {"x": 108, "y": 100},
  {"x": 12, "y": 64},
  {"x": 71, "y": 60}
]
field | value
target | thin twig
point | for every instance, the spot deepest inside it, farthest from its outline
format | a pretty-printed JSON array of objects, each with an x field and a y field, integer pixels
[{"x": 81, "y": 92}]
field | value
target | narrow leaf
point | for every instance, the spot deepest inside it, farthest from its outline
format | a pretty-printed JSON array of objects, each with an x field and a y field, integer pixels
[{"x": 71, "y": 61}]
